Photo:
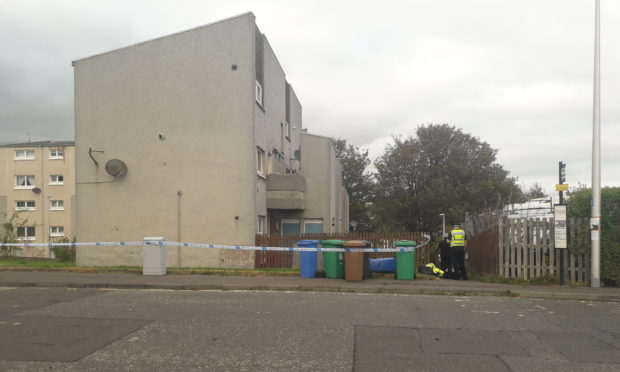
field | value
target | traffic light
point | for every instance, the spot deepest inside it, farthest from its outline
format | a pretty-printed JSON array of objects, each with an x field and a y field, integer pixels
[{"x": 562, "y": 172}]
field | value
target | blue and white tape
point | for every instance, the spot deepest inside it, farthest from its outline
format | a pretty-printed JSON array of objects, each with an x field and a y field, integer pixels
[{"x": 217, "y": 246}]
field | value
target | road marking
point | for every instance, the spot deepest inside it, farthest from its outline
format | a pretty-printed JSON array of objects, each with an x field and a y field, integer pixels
[{"x": 17, "y": 324}]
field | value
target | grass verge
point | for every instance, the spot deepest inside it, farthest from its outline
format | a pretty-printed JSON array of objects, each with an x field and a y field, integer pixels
[{"x": 17, "y": 264}]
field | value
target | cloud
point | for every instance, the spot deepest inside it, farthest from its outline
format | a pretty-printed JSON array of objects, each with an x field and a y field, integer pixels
[{"x": 517, "y": 74}]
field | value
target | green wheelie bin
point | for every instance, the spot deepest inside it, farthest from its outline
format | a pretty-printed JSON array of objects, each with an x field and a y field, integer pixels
[
  {"x": 405, "y": 267},
  {"x": 333, "y": 262}
]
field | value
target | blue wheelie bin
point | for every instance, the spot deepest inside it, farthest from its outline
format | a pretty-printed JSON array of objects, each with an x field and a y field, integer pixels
[{"x": 307, "y": 260}]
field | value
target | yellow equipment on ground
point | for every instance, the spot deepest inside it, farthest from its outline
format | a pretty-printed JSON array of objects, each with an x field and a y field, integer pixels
[{"x": 431, "y": 269}]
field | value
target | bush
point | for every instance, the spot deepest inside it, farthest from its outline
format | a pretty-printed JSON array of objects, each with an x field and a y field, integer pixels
[
  {"x": 64, "y": 253},
  {"x": 579, "y": 206}
]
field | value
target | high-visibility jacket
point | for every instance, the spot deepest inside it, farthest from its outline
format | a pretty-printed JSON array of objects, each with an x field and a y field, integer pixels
[
  {"x": 430, "y": 267},
  {"x": 458, "y": 238}
]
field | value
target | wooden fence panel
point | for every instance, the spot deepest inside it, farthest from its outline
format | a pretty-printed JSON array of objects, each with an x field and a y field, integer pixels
[
  {"x": 549, "y": 250},
  {"x": 527, "y": 250},
  {"x": 500, "y": 254},
  {"x": 483, "y": 251},
  {"x": 537, "y": 247}
]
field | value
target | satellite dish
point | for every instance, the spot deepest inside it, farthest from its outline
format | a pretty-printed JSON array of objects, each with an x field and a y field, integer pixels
[
  {"x": 116, "y": 167},
  {"x": 36, "y": 190}
]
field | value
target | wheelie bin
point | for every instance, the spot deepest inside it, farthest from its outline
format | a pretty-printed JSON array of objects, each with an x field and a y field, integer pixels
[
  {"x": 307, "y": 259},
  {"x": 333, "y": 262},
  {"x": 356, "y": 265},
  {"x": 405, "y": 268}
]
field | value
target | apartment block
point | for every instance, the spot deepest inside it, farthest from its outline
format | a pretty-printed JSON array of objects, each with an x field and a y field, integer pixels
[
  {"x": 197, "y": 137},
  {"x": 37, "y": 192}
]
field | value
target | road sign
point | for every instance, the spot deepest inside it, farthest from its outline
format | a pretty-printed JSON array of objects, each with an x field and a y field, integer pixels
[
  {"x": 561, "y": 187},
  {"x": 560, "y": 227}
]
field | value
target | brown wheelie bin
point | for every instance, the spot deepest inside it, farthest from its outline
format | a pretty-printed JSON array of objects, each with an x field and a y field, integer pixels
[{"x": 356, "y": 263}]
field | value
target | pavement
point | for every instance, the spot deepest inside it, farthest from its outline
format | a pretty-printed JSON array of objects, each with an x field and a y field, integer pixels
[{"x": 47, "y": 279}]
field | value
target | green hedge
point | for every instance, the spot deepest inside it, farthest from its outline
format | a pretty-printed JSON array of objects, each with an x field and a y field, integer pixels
[{"x": 579, "y": 206}]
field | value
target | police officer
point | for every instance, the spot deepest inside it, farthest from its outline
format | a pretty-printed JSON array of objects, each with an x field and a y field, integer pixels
[
  {"x": 446, "y": 254},
  {"x": 458, "y": 241}
]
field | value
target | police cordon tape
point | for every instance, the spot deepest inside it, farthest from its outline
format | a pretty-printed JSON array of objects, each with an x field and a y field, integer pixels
[{"x": 217, "y": 246}]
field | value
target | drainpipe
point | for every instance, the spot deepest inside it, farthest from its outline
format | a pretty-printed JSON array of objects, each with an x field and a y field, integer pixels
[{"x": 179, "y": 195}]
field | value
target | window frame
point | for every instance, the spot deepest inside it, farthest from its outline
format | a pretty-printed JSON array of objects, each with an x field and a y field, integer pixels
[
  {"x": 60, "y": 231},
  {"x": 29, "y": 178},
  {"x": 258, "y": 93},
  {"x": 26, "y": 236},
  {"x": 60, "y": 179},
  {"x": 261, "y": 224},
  {"x": 26, "y": 207},
  {"x": 25, "y": 157},
  {"x": 260, "y": 162},
  {"x": 60, "y": 207},
  {"x": 314, "y": 221},
  {"x": 290, "y": 221},
  {"x": 60, "y": 154}
]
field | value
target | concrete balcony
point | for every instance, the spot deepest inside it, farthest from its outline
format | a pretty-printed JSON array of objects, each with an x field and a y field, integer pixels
[{"x": 286, "y": 191}]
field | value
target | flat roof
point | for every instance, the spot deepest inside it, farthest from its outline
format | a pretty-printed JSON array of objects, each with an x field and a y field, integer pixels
[{"x": 41, "y": 144}]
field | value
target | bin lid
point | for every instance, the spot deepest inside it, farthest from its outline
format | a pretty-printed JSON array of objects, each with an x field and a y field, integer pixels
[
  {"x": 405, "y": 243},
  {"x": 338, "y": 243},
  {"x": 308, "y": 243},
  {"x": 357, "y": 243}
]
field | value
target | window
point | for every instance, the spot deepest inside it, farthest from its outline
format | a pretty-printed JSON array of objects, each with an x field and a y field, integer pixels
[
  {"x": 259, "y": 66},
  {"x": 57, "y": 205},
  {"x": 24, "y": 182},
  {"x": 24, "y": 205},
  {"x": 57, "y": 231},
  {"x": 313, "y": 226},
  {"x": 258, "y": 93},
  {"x": 24, "y": 154},
  {"x": 57, "y": 179},
  {"x": 287, "y": 102},
  {"x": 57, "y": 154},
  {"x": 291, "y": 226},
  {"x": 260, "y": 161},
  {"x": 286, "y": 129},
  {"x": 261, "y": 225},
  {"x": 25, "y": 233}
]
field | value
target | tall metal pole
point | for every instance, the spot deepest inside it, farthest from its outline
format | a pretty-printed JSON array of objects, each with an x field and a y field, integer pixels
[
  {"x": 595, "y": 221},
  {"x": 443, "y": 223}
]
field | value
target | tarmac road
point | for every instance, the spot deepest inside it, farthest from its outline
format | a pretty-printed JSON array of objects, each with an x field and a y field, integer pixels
[{"x": 150, "y": 330}]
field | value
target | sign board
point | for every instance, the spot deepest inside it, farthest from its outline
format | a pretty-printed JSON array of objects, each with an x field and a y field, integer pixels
[
  {"x": 560, "y": 226},
  {"x": 561, "y": 187},
  {"x": 595, "y": 228}
]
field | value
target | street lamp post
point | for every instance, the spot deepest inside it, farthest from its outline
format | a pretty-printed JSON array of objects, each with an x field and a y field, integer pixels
[
  {"x": 443, "y": 223},
  {"x": 595, "y": 221}
]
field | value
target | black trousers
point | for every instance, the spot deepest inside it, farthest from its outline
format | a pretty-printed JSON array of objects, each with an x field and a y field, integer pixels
[
  {"x": 458, "y": 262},
  {"x": 446, "y": 260}
]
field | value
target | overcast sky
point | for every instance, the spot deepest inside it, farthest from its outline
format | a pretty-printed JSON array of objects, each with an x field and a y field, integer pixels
[{"x": 515, "y": 73}]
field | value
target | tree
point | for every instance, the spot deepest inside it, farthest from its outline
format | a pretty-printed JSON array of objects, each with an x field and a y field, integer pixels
[
  {"x": 8, "y": 233},
  {"x": 439, "y": 170},
  {"x": 578, "y": 201},
  {"x": 356, "y": 180},
  {"x": 533, "y": 192}
]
